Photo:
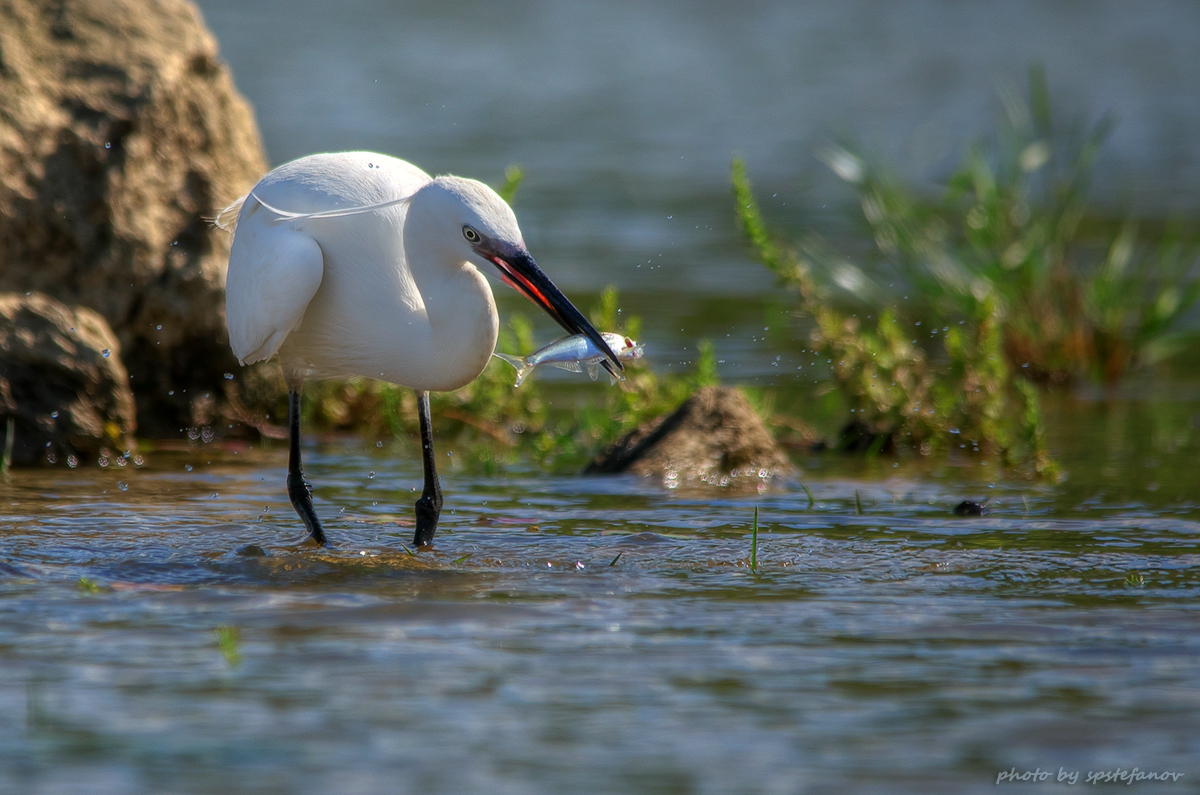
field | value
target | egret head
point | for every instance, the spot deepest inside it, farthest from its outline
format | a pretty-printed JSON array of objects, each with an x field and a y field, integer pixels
[{"x": 485, "y": 232}]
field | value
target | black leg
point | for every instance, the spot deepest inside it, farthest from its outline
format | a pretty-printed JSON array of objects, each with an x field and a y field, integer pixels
[
  {"x": 429, "y": 507},
  {"x": 299, "y": 492}
]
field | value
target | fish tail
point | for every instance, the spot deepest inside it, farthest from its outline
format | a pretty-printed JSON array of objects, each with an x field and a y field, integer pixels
[{"x": 524, "y": 368}]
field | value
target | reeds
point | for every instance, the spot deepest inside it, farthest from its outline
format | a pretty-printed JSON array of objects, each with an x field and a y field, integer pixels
[{"x": 898, "y": 400}]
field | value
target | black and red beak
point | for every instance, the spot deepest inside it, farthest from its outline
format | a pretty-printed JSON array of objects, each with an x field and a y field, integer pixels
[{"x": 518, "y": 269}]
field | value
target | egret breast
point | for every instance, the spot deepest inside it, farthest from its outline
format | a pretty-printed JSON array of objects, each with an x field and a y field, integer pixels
[{"x": 376, "y": 314}]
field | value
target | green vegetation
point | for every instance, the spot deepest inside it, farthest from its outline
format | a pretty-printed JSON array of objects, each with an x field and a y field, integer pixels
[
  {"x": 512, "y": 180},
  {"x": 754, "y": 543},
  {"x": 229, "y": 641},
  {"x": 1006, "y": 268},
  {"x": 1009, "y": 245},
  {"x": 811, "y": 499},
  {"x": 899, "y": 401},
  {"x": 10, "y": 436}
]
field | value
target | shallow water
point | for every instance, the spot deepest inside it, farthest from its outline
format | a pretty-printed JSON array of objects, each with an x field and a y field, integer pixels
[{"x": 604, "y": 634}]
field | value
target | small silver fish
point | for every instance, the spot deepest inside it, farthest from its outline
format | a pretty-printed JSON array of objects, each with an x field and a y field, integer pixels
[{"x": 574, "y": 353}]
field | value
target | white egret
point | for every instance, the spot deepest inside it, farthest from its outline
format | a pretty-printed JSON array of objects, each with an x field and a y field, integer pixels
[{"x": 362, "y": 264}]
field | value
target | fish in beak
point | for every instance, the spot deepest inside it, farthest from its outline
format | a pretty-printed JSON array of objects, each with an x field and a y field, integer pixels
[{"x": 520, "y": 272}]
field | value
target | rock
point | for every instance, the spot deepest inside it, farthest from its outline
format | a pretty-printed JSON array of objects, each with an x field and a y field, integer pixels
[
  {"x": 61, "y": 382},
  {"x": 120, "y": 132},
  {"x": 715, "y": 438}
]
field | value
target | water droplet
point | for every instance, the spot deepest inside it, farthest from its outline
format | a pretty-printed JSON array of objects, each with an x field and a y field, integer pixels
[
  {"x": 158, "y": 327},
  {"x": 371, "y": 475},
  {"x": 213, "y": 495},
  {"x": 379, "y": 444},
  {"x": 106, "y": 353},
  {"x": 229, "y": 376},
  {"x": 172, "y": 392},
  {"x": 123, "y": 486},
  {"x": 108, "y": 144},
  {"x": 188, "y": 468},
  {"x": 54, "y": 414}
]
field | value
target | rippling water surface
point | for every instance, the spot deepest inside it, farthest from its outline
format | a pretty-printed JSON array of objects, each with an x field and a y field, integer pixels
[{"x": 603, "y": 634}]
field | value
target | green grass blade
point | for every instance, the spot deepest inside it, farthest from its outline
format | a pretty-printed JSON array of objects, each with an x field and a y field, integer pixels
[
  {"x": 811, "y": 499},
  {"x": 754, "y": 543}
]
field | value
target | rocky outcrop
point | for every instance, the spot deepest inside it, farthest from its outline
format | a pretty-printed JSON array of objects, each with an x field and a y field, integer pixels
[
  {"x": 714, "y": 439},
  {"x": 62, "y": 384},
  {"x": 120, "y": 132}
]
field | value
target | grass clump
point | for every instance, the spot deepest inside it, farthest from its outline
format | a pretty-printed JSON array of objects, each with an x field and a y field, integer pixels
[
  {"x": 1010, "y": 242},
  {"x": 898, "y": 400}
]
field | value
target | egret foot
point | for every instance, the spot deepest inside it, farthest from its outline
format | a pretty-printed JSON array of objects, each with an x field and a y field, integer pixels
[
  {"x": 429, "y": 508},
  {"x": 300, "y": 493}
]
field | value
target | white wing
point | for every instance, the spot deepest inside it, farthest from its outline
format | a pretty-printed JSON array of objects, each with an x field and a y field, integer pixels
[{"x": 274, "y": 272}]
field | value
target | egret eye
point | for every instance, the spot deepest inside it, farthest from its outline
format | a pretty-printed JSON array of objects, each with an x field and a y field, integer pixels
[{"x": 470, "y": 234}]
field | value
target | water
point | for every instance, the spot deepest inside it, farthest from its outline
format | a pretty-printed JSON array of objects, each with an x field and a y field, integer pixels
[{"x": 604, "y": 634}]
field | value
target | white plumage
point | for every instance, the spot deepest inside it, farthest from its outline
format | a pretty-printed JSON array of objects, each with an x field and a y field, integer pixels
[{"x": 389, "y": 292}]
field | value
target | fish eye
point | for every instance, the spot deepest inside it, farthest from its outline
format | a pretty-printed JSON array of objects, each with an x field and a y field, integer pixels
[{"x": 470, "y": 234}]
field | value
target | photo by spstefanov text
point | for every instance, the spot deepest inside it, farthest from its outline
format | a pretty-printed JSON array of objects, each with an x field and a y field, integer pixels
[{"x": 1118, "y": 775}]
